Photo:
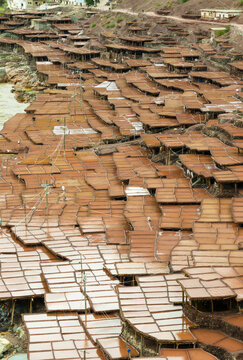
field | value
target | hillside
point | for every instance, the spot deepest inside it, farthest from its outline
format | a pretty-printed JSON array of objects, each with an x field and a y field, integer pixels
[{"x": 175, "y": 6}]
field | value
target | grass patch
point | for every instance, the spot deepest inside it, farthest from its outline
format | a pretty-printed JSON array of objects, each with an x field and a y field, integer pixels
[
  {"x": 3, "y": 6},
  {"x": 111, "y": 26},
  {"x": 13, "y": 36},
  {"x": 120, "y": 19},
  {"x": 222, "y": 32},
  {"x": 93, "y": 25},
  {"x": 183, "y": 1}
]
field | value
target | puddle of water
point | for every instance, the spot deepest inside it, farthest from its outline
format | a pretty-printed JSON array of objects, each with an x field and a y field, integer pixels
[
  {"x": 18, "y": 357},
  {"x": 8, "y": 105}
]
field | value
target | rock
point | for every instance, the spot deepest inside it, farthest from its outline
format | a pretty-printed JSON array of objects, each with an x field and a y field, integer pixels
[
  {"x": 3, "y": 75},
  {"x": 5, "y": 345},
  {"x": 19, "y": 331}
]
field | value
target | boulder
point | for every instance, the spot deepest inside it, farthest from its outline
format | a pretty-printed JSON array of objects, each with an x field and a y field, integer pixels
[{"x": 5, "y": 345}]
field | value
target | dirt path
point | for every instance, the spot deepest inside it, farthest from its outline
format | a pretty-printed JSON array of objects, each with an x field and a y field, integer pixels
[
  {"x": 14, "y": 340},
  {"x": 176, "y": 18}
]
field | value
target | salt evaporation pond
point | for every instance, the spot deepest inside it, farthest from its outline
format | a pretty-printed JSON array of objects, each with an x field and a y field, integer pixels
[{"x": 9, "y": 106}]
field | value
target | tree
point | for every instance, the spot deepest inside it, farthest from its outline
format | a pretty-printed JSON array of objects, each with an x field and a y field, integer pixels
[{"x": 90, "y": 2}]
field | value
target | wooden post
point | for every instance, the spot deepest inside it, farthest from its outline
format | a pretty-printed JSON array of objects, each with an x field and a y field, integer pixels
[
  {"x": 85, "y": 295},
  {"x": 13, "y": 310},
  {"x": 212, "y": 305},
  {"x": 25, "y": 214},
  {"x": 64, "y": 136},
  {"x": 74, "y": 96},
  {"x": 141, "y": 353},
  {"x": 31, "y": 303},
  {"x": 188, "y": 261}
]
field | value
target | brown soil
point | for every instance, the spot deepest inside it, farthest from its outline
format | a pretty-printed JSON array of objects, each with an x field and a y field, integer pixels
[
  {"x": 16, "y": 341},
  {"x": 176, "y": 8}
]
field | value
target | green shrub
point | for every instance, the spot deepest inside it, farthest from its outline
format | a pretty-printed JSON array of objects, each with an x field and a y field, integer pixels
[
  {"x": 3, "y": 5},
  {"x": 93, "y": 25},
  {"x": 240, "y": 2},
  {"x": 92, "y": 2},
  {"x": 110, "y": 26},
  {"x": 183, "y": 1},
  {"x": 120, "y": 19},
  {"x": 222, "y": 32},
  {"x": 13, "y": 36}
]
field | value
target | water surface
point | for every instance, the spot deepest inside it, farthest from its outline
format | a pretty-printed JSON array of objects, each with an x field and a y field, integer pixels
[{"x": 18, "y": 357}]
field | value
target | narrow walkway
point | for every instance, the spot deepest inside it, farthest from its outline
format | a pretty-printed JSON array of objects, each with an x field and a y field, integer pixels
[{"x": 102, "y": 6}]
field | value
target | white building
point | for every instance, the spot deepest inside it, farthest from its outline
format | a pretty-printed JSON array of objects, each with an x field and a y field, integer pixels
[
  {"x": 212, "y": 14},
  {"x": 74, "y": 2},
  {"x": 25, "y": 4},
  {"x": 17, "y": 4}
]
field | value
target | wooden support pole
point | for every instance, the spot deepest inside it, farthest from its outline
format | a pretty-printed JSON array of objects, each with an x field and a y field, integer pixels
[
  {"x": 236, "y": 187},
  {"x": 13, "y": 310},
  {"x": 81, "y": 264},
  {"x": 85, "y": 295},
  {"x": 25, "y": 214},
  {"x": 64, "y": 136},
  {"x": 31, "y": 304},
  {"x": 141, "y": 353},
  {"x": 7, "y": 168}
]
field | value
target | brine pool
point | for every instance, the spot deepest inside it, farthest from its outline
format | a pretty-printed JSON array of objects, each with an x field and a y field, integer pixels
[{"x": 9, "y": 106}]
